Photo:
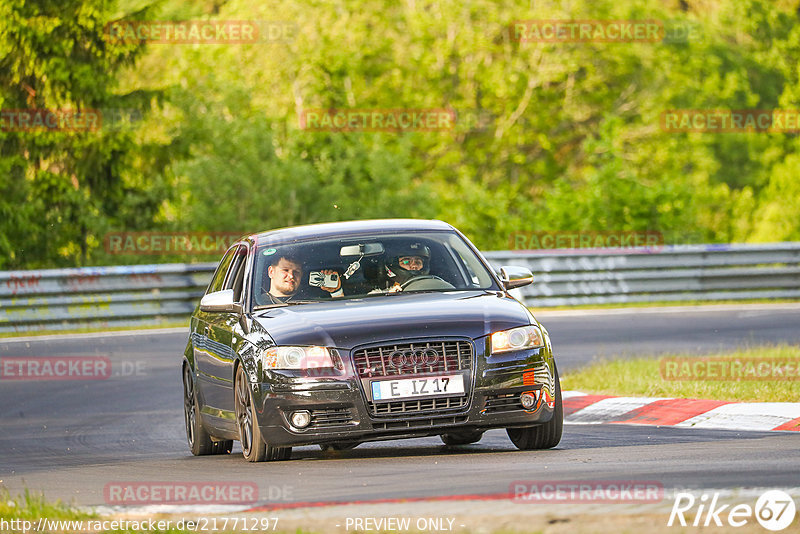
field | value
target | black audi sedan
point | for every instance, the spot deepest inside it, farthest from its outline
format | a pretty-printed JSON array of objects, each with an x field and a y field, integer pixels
[{"x": 340, "y": 333}]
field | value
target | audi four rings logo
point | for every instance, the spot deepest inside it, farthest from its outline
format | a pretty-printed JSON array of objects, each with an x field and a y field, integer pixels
[{"x": 413, "y": 358}]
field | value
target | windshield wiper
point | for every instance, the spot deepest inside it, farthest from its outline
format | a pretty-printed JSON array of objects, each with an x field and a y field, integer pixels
[
  {"x": 283, "y": 304},
  {"x": 268, "y": 306}
]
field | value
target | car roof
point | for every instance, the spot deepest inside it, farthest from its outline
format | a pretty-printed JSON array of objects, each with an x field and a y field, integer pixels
[{"x": 345, "y": 228}]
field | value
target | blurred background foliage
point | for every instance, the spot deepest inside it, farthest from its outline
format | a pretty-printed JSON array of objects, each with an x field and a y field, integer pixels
[{"x": 549, "y": 136}]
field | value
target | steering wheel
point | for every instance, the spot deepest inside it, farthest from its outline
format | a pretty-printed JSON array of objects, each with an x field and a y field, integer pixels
[{"x": 427, "y": 281}]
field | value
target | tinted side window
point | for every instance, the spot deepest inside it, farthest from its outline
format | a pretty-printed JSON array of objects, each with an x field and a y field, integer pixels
[
  {"x": 235, "y": 277},
  {"x": 478, "y": 274},
  {"x": 219, "y": 275}
]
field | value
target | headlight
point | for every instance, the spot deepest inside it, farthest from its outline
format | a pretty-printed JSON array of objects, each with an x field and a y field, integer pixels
[
  {"x": 297, "y": 358},
  {"x": 524, "y": 337}
]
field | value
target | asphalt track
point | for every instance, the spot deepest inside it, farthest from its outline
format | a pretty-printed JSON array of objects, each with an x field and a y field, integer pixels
[{"x": 72, "y": 438}]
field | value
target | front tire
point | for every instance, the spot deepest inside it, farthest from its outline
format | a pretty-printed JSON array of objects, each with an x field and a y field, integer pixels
[
  {"x": 254, "y": 448},
  {"x": 199, "y": 441},
  {"x": 544, "y": 436}
]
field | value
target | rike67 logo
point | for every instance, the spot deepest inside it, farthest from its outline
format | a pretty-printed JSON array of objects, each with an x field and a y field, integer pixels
[{"x": 774, "y": 510}]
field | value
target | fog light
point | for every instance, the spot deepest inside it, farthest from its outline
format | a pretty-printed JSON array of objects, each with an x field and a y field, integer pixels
[
  {"x": 301, "y": 419},
  {"x": 528, "y": 400}
]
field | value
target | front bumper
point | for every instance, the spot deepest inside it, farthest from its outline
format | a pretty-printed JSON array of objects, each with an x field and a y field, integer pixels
[{"x": 341, "y": 409}]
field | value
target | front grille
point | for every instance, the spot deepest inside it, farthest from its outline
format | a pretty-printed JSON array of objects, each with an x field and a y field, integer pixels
[
  {"x": 331, "y": 417},
  {"x": 415, "y": 424},
  {"x": 417, "y": 406},
  {"x": 424, "y": 357}
]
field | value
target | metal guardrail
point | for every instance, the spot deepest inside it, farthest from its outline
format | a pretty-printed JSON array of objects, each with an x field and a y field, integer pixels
[
  {"x": 668, "y": 273},
  {"x": 152, "y": 294},
  {"x": 100, "y": 296}
]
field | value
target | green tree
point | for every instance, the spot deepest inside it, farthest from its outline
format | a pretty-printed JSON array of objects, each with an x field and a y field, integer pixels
[
  {"x": 549, "y": 136},
  {"x": 61, "y": 188}
]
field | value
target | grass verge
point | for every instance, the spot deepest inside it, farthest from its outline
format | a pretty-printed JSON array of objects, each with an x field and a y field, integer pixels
[
  {"x": 32, "y": 506},
  {"x": 660, "y": 303},
  {"x": 673, "y": 375}
]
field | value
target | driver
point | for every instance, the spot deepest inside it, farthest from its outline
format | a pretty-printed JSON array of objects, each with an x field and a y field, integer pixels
[{"x": 407, "y": 262}]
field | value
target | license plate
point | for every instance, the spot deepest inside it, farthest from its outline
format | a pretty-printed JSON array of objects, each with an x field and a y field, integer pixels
[{"x": 417, "y": 387}]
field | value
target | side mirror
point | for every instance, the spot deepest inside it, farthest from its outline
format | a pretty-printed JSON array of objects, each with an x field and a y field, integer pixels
[
  {"x": 220, "y": 301},
  {"x": 513, "y": 276}
]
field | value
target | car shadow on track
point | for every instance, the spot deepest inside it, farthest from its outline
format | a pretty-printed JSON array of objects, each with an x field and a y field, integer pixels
[{"x": 575, "y": 437}]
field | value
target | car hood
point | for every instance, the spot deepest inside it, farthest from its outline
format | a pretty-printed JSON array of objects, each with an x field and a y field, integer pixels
[{"x": 348, "y": 323}]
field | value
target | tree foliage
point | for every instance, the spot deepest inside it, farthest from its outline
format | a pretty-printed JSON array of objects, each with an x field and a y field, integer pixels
[
  {"x": 549, "y": 135},
  {"x": 61, "y": 187}
]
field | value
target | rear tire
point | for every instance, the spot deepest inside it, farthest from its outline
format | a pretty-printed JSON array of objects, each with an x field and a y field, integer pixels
[
  {"x": 254, "y": 448},
  {"x": 544, "y": 436},
  {"x": 199, "y": 441},
  {"x": 461, "y": 438}
]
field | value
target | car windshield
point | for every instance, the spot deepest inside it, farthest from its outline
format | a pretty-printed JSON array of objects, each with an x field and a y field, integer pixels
[{"x": 365, "y": 266}]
